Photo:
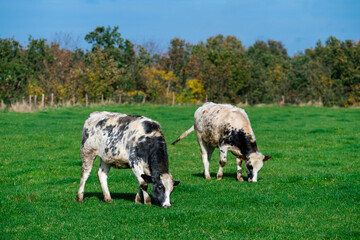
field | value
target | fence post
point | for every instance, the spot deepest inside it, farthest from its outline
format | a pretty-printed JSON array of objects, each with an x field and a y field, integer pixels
[
  {"x": 206, "y": 98},
  {"x": 120, "y": 99},
  {"x": 102, "y": 99},
  {"x": 173, "y": 98},
  {"x": 23, "y": 100},
  {"x": 282, "y": 103},
  {"x": 35, "y": 100},
  {"x": 30, "y": 103},
  {"x": 42, "y": 100},
  {"x": 86, "y": 100},
  {"x": 52, "y": 99},
  {"x": 73, "y": 99},
  {"x": 144, "y": 99},
  {"x": 320, "y": 102},
  {"x": 246, "y": 101}
]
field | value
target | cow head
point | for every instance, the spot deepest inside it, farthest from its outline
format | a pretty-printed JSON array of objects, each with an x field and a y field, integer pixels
[
  {"x": 162, "y": 188},
  {"x": 253, "y": 164}
]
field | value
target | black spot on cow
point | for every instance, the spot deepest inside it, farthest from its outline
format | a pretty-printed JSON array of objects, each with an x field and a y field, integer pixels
[
  {"x": 127, "y": 119},
  {"x": 109, "y": 128},
  {"x": 249, "y": 168},
  {"x": 158, "y": 190},
  {"x": 134, "y": 116},
  {"x": 141, "y": 138},
  {"x": 150, "y": 126},
  {"x": 123, "y": 122},
  {"x": 85, "y": 136},
  {"x": 102, "y": 123},
  {"x": 152, "y": 150},
  {"x": 240, "y": 139}
]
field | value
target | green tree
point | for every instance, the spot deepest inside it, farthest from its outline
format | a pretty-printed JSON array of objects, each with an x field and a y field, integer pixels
[
  {"x": 269, "y": 67},
  {"x": 102, "y": 75},
  {"x": 12, "y": 69},
  {"x": 224, "y": 71}
]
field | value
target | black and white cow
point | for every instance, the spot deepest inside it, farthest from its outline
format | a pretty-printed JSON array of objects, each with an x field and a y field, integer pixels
[
  {"x": 127, "y": 141},
  {"x": 228, "y": 128}
]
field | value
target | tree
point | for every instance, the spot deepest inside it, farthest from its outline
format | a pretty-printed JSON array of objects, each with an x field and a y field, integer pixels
[
  {"x": 224, "y": 70},
  {"x": 13, "y": 82},
  {"x": 178, "y": 59},
  {"x": 102, "y": 75},
  {"x": 105, "y": 38}
]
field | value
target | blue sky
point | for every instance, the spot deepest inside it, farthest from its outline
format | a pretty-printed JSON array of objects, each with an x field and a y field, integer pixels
[{"x": 298, "y": 24}]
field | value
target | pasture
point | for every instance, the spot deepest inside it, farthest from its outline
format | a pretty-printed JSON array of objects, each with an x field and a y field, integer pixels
[{"x": 309, "y": 189}]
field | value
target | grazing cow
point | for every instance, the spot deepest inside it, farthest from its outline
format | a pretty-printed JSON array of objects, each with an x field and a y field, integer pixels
[
  {"x": 127, "y": 141},
  {"x": 228, "y": 128}
]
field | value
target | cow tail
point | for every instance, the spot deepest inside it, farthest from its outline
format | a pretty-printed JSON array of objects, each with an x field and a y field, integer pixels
[{"x": 184, "y": 134}]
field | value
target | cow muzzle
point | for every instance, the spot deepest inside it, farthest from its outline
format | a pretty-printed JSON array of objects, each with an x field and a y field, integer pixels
[{"x": 166, "y": 205}]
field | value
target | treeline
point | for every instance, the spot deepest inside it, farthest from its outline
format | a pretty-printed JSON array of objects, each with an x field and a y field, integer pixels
[{"x": 220, "y": 69}]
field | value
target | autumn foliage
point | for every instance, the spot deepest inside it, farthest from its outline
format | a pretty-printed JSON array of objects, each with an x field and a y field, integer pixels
[{"x": 220, "y": 69}]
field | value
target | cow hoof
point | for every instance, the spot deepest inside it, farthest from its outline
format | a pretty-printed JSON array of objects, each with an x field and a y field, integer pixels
[
  {"x": 108, "y": 200},
  {"x": 218, "y": 177},
  {"x": 148, "y": 202},
  {"x": 207, "y": 177},
  {"x": 80, "y": 198},
  {"x": 240, "y": 179},
  {"x": 138, "y": 199}
]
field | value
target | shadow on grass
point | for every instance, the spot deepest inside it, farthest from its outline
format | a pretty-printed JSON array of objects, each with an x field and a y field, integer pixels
[
  {"x": 126, "y": 196},
  {"x": 225, "y": 175}
]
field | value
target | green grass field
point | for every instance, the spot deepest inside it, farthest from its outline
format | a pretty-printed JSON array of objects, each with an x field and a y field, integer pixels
[{"x": 310, "y": 189}]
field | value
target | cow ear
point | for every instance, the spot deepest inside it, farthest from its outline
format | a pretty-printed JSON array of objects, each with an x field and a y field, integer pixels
[
  {"x": 146, "y": 178},
  {"x": 176, "y": 183},
  {"x": 267, "y": 158}
]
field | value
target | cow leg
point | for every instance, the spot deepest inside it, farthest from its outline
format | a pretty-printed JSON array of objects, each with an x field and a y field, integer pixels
[
  {"x": 222, "y": 162},
  {"x": 88, "y": 160},
  {"x": 239, "y": 173},
  {"x": 103, "y": 175},
  {"x": 142, "y": 196},
  {"x": 206, "y": 152}
]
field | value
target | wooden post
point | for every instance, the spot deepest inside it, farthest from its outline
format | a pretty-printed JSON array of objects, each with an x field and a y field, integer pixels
[
  {"x": 86, "y": 100},
  {"x": 23, "y": 100},
  {"x": 246, "y": 101},
  {"x": 320, "y": 102},
  {"x": 73, "y": 99},
  {"x": 42, "y": 100},
  {"x": 206, "y": 98},
  {"x": 173, "y": 98},
  {"x": 52, "y": 99},
  {"x": 102, "y": 99},
  {"x": 63, "y": 100},
  {"x": 282, "y": 103},
  {"x": 120, "y": 99},
  {"x": 35, "y": 100},
  {"x": 30, "y": 103},
  {"x": 144, "y": 99}
]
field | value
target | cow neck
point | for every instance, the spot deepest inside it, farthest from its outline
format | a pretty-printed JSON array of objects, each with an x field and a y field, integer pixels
[
  {"x": 240, "y": 139},
  {"x": 158, "y": 159}
]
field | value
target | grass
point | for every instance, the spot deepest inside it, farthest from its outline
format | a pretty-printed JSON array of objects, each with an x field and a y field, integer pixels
[{"x": 309, "y": 189}]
